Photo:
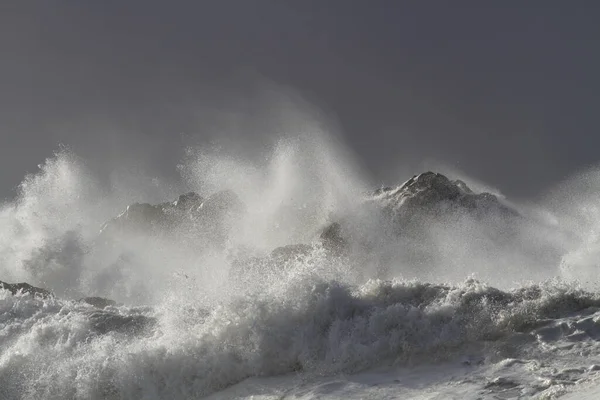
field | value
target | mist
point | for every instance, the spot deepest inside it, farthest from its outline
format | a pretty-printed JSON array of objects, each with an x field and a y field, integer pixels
[
  {"x": 300, "y": 178},
  {"x": 213, "y": 271}
]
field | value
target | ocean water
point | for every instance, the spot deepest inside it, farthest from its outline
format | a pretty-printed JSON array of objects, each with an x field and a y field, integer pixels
[{"x": 480, "y": 318}]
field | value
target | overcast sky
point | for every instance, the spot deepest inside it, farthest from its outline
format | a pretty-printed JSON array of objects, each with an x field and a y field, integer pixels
[{"x": 507, "y": 91}]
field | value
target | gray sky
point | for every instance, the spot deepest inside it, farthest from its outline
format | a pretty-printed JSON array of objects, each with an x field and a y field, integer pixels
[{"x": 507, "y": 91}]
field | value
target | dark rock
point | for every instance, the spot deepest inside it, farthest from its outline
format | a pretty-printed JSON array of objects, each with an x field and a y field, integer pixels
[
  {"x": 289, "y": 252},
  {"x": 501, "y": 383},
  {"x": 410, "y": 224},
  {"x": 26, "y": 288},
  {"x": 419, "y": 202},
  {"x": 98, "y": 302},
  {"x": 141, "y": 217},
  {"x": 208, "y": 219},
  {"x": 431, "y": 192},
  {"x": 103, "y": 322},
  {"x": 188, "y": 202},
  {"x": 333, "y": 238},
  {"x": 382, "y": 190},
  {"x": 220, "y": 203}
]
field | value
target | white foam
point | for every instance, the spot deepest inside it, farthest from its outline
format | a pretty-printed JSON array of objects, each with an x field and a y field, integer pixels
[{"x": 309, "y": 327}]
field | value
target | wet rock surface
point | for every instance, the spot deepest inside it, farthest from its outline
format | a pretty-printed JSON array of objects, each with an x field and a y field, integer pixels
[
  {"x": 25, "y": 288},
  {"x": 407, "y": 213},
  {"x": 98, "y": 302},
  {"x": 103, "y": 322},
  {"x": 189, "y": 211}
]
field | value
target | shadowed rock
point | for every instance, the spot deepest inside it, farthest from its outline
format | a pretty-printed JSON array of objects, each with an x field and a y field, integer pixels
[
  {"x": 217, "y": 215},
  {"x": 333, "y": 238},
  {"x": 431, "y": 192},
  {"x": 145, "y": 217},
  {"x": 188, "y": 202},
  {"x": 221, "y": 203},
  {"x": 290, "y": 252},
  {"x": 25, "y": 288},
  {"x": 209, "y": 219},
  {"x": 98, "y": 302},
  {"x": 103, "y": 322},
  {"x": 424, "y": 199}
]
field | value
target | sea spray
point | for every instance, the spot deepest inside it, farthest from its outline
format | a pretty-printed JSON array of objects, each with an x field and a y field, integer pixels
[{"x": 270, "y": 297}]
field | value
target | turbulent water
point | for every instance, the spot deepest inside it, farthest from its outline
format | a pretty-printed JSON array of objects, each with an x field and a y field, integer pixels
[{"x": 492, "y": 306}]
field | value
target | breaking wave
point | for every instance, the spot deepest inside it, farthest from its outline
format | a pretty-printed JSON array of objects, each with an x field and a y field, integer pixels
[
  {"x": 193, "y": 318},
  {"x": 58, "y": 349}
]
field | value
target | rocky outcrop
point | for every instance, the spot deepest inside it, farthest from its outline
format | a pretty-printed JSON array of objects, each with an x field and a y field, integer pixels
[
  {"x": 98, "y": 302},
  {"x": 408, "y": 210},
  {"x": 188, "y": 202},
  {"x": 333, "y": 238},
  {"x": 145, "y": 217},
  {"x": 210, "y": 219},
  {"x": 103, "y": 322},
  {"x": 396, "y": 222},
  {"x": 25, "y": 288},
  {"x": 289, "y": 252},
  {"x": 433, "y": 193}
]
